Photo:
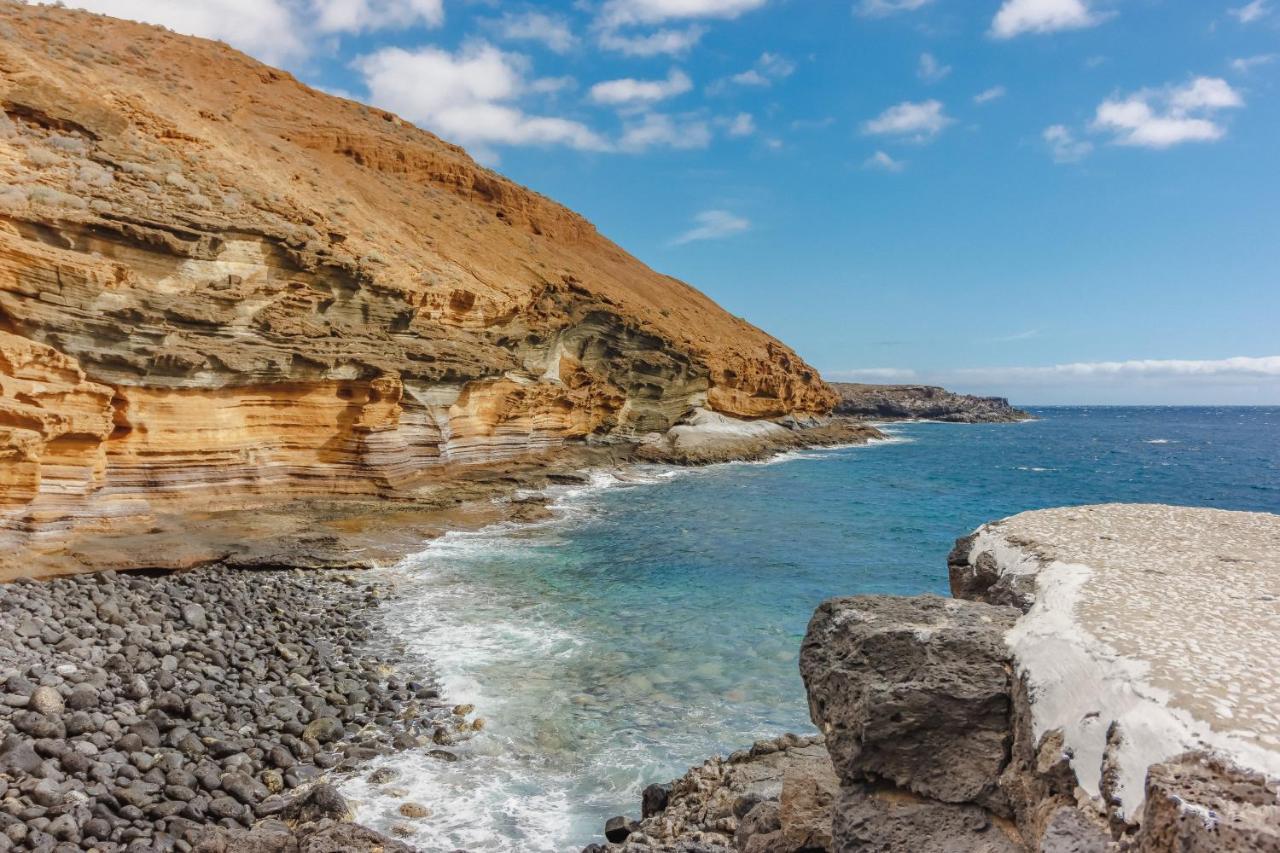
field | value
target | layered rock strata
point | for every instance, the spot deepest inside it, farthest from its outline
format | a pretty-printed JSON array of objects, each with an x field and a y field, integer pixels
[
  {"x": 222, "y": 288},
  {"x": 921, "y": 402},
  {"x": 1102, "y": 682}
]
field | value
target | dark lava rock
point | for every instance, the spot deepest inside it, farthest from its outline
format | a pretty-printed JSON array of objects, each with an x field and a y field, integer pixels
[
  {"x": 616, "y": 829},
  {"x": 654, "y": 799},
  {"x": 916, "y": 691}
]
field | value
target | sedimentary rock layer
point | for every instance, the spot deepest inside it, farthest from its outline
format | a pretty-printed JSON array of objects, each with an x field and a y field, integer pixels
[
  {"x": 921, "y": 402},
  {"x": 218, "y": 285}
]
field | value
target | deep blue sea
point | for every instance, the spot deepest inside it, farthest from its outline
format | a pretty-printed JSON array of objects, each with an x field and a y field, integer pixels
[{"x": 658, "y": 620}]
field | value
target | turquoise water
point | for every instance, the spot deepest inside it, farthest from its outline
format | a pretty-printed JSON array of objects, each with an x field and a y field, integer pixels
[{"x": 657, "y": 621}]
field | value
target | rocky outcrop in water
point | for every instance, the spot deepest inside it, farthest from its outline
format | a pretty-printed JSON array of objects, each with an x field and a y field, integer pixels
[
  {"x": 220, "y": 288},
  {"x": 1049, "y": 706},
  {"x": 921, "y": 402}
]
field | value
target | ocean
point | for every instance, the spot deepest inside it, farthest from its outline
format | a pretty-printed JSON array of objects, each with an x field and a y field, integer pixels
[{"x": 657, "y": 619}]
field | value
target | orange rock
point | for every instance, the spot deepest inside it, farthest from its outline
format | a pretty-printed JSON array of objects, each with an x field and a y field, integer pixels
[{"x": 219, "y": 285}]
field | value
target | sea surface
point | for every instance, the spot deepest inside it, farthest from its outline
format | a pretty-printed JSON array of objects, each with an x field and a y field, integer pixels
[{"x": 657, "y": 620}]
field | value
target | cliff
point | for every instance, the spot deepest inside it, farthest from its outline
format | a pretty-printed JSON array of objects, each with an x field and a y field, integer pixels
[
  {"x": 221, "y": 288},
  {"x": 1103, "y": 680},
  {"x": 921, "y": 402}
]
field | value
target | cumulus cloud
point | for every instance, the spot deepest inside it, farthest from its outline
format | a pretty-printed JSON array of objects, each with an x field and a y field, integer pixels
[
  {"x": 356, "y": 16},
  {"x": 616, "y": 22},
  {"x": 630, "y": 91},
  {"x": 1017, "y": 17},
  {"x": 713, "y": 225},
  {"x": 621, "y": 13},
  {"x": 986, "y": 96},
  {"x": 743, "y": 124},
  {"x": 469, "y": 96},
  {"x": 885, "y": 8},
  {"x": 1245, "y": 64},
  {"x": 1170, "y": 116},
  {"x": 271, "y": 30},
  {"x": 930, "y": 70},
  {"x": 766, "y": 70},
  {"x": 658, "y": 130},
  {"x": 1064, "y": 146},
  {"x": 1250, "y": 12},
  {"x": 669, "y": 42},
  {"x": 274, "y": 31},
  {"x": 551, "y": 31},
  {"x": 882, "y": 161},
  {"x": 922, "y": 120}
]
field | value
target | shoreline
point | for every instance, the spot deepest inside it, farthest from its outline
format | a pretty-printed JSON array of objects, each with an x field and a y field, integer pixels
[{"x": 90, "y": 782}]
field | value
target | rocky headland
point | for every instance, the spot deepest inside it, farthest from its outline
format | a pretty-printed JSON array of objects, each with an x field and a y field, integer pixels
[
  {"x": 221, "y": 290},
  {"x": 1102, "y": 680},
  {"x": 921, "y": 402}
]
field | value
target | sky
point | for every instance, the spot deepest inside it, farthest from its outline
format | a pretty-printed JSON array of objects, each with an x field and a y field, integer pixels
[{"x": 1058, "y": 201}]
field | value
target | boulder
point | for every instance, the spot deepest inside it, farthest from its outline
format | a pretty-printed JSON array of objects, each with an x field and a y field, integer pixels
[
  {"x": 915, "y": 691},
  {"x": 1199, "y": 802}
]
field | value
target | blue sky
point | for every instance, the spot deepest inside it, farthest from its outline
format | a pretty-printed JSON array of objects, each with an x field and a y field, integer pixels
[{"x": 1056, "y": 200}]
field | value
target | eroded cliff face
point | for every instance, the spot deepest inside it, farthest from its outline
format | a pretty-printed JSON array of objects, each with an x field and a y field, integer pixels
[{"x": 219, "y": 285}]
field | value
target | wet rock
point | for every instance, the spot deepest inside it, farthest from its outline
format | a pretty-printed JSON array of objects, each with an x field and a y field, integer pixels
[
  {"x": 616, "y": 829},
  {"x": 654, "y": 799},
  {"x": 413, "y": 810},
  {"x": 913, "y": 690}
]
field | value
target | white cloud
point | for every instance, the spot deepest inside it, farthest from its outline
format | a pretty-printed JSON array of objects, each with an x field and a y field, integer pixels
[
  {"x": 267, "y": 29},
  {"x": 356, "y": 16},
  {"x": 930, "y": 70},
  {"x": 551, "y": 31},
  {"x": 1042, "y": 16},
  {"x": 670, "y": 42},
  {"x": 922, "y": 120},
  {"x": 881, "y": 160},
  {"x": 743, "y": 124},
  {"x": 1267, "y": 367},
  {"x": 884, "y": 8},
  {"x": 630, "y": 91},
  {"x": 1168, "y": 117},
  {"x": 874, "y": 375},
  {"x": 986, "y": 96},
  {"x": 468, "y": 97},
  {"x": 768, "y": 68},
  {"x": 1250, "y": 12},
  {"x": 1188, "y": 381},
  {"x": 616, "y": 19},
  {"x": 1064, "y": 146},
  {"x": 621, "y": 13},
  {"x": 658, "y": 130},
  {"x": 1245, "y": 64},
  {"x": 713, "y": 225}
]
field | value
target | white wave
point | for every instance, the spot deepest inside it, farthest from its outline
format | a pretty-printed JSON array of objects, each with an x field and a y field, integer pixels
[
  {"x": 1035, "y": 469},
  {"x": 1160, "y": 441}
]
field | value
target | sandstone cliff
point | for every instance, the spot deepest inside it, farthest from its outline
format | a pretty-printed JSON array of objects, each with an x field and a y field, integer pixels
[
  {"x": 922, "y": 402},
  {"x": 220, "y": 286}
]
